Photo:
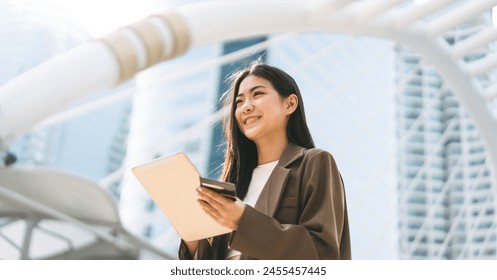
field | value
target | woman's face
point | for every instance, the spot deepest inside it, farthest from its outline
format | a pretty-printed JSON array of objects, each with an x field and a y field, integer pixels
[{"x": 261, "y": 113}]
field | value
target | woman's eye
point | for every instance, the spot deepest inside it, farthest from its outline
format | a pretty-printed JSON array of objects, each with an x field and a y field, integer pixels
[
  {"x": 238, "y": 101},
  {"x": 258, "y": 93}
]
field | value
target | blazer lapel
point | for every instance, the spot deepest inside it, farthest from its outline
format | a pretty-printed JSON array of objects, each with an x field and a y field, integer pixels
[{"x": 270, "y": 197}]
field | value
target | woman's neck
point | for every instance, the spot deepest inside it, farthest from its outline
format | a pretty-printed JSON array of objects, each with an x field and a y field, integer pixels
[{"x": 271, "y": 151}]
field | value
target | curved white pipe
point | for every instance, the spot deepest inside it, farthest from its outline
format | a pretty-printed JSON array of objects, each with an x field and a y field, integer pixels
[
  {"x": 53, "y": 86},
  {"x": 242, "y": 19},
  {"x": 67, "y": 78}
]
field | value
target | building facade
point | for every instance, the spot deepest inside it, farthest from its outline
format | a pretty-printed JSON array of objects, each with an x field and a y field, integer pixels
[{"x": 446, "y": 197}]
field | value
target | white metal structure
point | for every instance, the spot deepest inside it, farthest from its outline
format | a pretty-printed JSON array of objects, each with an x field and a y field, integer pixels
[
  {"x": 121, "y": 54},
  {"x": 78, "y": 217},
  {"x": 446, "y": 197},
  {"x": 422, "y": 27}
]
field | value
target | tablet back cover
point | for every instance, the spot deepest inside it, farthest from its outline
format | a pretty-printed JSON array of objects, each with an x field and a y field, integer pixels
[{"x": 172, "y": 181}]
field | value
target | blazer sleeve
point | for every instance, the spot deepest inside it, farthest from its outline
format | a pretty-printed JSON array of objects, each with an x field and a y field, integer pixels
[{"x": 317, "y": 235}]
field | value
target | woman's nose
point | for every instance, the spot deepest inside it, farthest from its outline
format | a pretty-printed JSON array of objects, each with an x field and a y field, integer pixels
[{"x": 247, "y": 107}]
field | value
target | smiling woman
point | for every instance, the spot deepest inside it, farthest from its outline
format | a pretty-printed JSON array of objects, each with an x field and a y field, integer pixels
[{"x": 291, "y": 199}]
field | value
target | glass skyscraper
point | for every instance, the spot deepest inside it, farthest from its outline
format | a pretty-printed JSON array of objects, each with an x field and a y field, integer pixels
[{"x": 446, "y": 200}]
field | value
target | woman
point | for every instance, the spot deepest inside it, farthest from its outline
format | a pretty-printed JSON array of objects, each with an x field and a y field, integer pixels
[{"x": 291, "y": 199}]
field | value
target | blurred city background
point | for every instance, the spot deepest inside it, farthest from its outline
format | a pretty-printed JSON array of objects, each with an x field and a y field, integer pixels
[{"x": 416, "y": 173}]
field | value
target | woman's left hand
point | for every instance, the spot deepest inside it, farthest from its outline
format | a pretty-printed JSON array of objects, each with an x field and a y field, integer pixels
[{"x": 224, "y": 211}]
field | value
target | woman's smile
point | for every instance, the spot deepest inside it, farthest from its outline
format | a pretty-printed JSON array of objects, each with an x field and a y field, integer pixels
[{"x": 250, "y": 119}]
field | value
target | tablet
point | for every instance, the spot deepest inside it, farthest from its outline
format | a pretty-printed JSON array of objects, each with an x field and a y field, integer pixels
[{"x": 172, "y": 181}]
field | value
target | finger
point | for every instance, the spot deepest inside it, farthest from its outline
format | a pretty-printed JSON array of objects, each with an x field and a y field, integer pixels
[
  {"x": 208, "y": 208},
  {"x": 214, "y": 195},
  {"x": 210, "y": 201},
  {"x": 211, "y": 212},
  {"x": 208, "y": 192}
]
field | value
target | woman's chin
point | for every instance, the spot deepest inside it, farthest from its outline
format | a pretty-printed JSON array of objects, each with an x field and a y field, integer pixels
[{"x": 252, "y": 136}]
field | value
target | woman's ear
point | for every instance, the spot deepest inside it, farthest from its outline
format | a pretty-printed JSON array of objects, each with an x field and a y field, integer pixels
[{"x": 291, "y": 103}]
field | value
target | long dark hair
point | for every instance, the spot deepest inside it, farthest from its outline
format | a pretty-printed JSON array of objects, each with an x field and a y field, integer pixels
[{"x": 241, "y": 153}]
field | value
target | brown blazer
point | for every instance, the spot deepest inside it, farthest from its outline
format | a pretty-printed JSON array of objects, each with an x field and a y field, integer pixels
[{"x": 301, "y": 213}]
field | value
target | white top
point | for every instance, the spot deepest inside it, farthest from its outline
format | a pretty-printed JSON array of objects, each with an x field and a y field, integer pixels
[{"x": 260, "y": 176}]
